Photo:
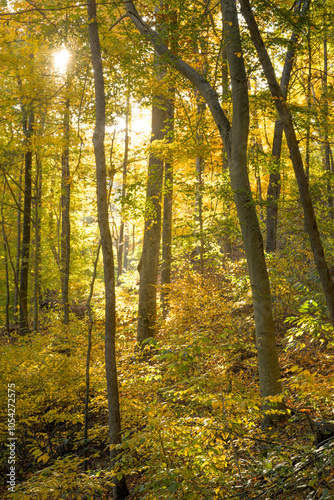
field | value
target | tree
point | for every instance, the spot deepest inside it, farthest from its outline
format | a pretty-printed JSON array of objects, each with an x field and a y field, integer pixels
[
  {"x": 28, "y": 118},
  {"x": 120, "y": 490},
  {"x": 149, "y": 262},
  {"x": 235, "y": 143}
]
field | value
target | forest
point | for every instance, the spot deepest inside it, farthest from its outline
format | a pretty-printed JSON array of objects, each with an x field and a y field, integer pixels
[{"x": 167, "y": 249}]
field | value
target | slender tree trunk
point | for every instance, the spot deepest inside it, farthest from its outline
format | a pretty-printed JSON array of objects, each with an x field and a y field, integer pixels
[
  {"x": 167, "y": 225},
  {"x": 120, "y": 490},
  {"x": 65, "y": 244},
  {"x": 274, "y": 188},
  {"x": 28, "y": 127},
  {"x": 5, "y": 243},
  {"x": 297, "y": 162},
  {"x": 226, "y": 244},
  {"x": 126, "y": 246},
  {"x": 309, "y": 102},
  {"x": 125, "y": 170},
  {"x": 199, "y": 182},
  {"x": 88, "y": 354},
  {"x": 38, "y": 206},
  {"x": 18, "y": 253}
]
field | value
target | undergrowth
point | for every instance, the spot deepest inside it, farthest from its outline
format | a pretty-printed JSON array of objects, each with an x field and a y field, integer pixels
[{"x": 190, "y": 405}]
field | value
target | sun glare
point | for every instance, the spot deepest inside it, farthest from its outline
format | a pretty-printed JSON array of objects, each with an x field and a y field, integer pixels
[{"x": 61, "y": 59}]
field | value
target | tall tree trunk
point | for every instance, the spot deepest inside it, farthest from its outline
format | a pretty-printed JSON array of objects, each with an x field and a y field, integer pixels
[
  {"x": 18, "y": 252},
  {"x": 200, "y": 182},
  {"x": 235, "y": 142},
  {"x": 309, "y": 102},
  {"x": 149, "y": 262},
  {"x": 120, "y": 252},
  {"x": 37, "y": 270},
  {"x": 65, "y": 244},
  {"x": 167, "y": 225},
  {"x": 120, "y": 490},
  {"x": 5, "y": 247},
  {"x": 28, "y": 128},
  {"x": 274, "y": 186},
  {"x": 297, "y": 162}
]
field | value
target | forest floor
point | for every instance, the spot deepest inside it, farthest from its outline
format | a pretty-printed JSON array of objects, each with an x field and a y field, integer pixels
[{"x": 190, "y": 405}]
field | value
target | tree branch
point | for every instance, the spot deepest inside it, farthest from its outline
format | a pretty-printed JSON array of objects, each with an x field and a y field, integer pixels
[{"x": 203, "y": 86}]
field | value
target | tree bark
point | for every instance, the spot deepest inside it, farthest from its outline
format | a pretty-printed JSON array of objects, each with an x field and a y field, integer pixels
[
  {"x": 37, "y": 270},
  {"x": 326, "y": 147},
  {"x": 297, "y": 162},
  {"x": 167, "y": 225},
  {"x": 149, "y": 263},
  {"x": 120, "y": 490},
  {"x": 18, "y": 252},
  {"x": 65, "y": 244},
  {"x": 28, "y": 128}
]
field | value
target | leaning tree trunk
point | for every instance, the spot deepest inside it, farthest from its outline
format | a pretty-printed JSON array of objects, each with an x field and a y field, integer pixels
[
  {"x": 274, "y": 186},
  {"x": 297, "y": 162},
  {"x": 6, "y": 256},
  {"x": 235, "y": 142},
  {"x": 28, "y": 127},
  {"x": 120, "y": 490}
]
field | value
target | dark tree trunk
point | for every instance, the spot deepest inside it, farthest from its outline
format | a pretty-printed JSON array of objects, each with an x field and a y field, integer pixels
[
  {"x": 167, "y": 225},
  {"x": 5, "y": 247},
  {"x": 37, "y": 270},
  {"x": 120, "y": 490},
  {"x": 28, "y": 128},
  {"x": 297, "y": 162},
  {"x": 65, "y": 244},
  {"x": 18, "y": 253}
]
